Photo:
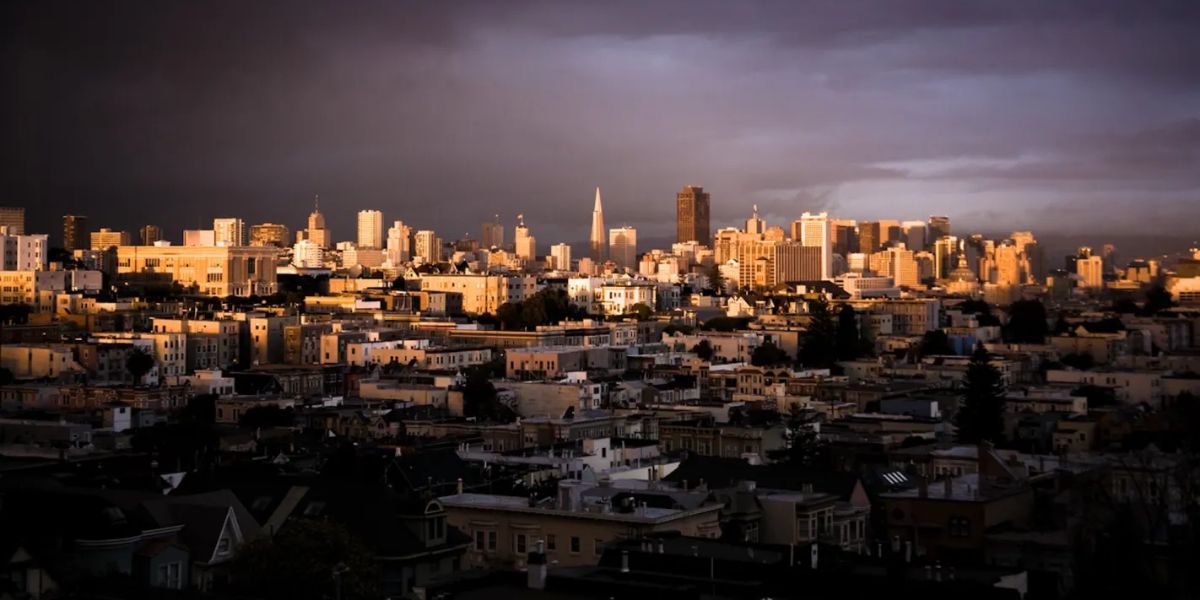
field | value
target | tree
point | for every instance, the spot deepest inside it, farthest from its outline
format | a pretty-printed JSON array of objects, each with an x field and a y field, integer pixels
[
  {"x": 725, "y": 324},
  {"x": 935, "y": 343},
  {"x": 716, "y": 282},
  {"x": 1158, "y": 299},
  {"x": 266, "y": 416},
  {"x": 306, "y": 559},
  {"x": 479, "y": 397},
  {"x": 643, "y": 311},
  {"x": 804, "y": 447},
  {"x": 1082, "y": 361},
  {"x": 848, "y": 340},
  {"x": 703, "y": 350},
  {"x": 981, "y": 410},
  {"x": 768, "y": 354},
  {"x": 1026, "y": 323},
  {"x": 139, "y": 364},
  {"x": 818, "y": 342}
]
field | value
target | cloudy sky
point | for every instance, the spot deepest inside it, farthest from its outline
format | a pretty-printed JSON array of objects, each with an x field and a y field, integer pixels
[{"x": 1056, "y": 116}]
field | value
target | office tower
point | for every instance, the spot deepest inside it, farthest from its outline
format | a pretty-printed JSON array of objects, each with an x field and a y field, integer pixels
[
  {"x": 691, "y": 215},
  {"x": 1009, "y": 264},
  {"x": 229, "y": 231},
  {"x": 269, "y": 234},
  {"x": 944, "y": 251},
  {"x": 845, "y": 238},
  {"x": 306, "y": 254},
  {"x": 13, "y": 217},
  {"x": 869, "y": 241},
  {"x": 370, "y": 229},
  {"x": 796, "y": 262},
  {"x": 815, "y": 233},
  {"x": 75, "y": 235},
  {"x": 898, "y": 263},
  {"x": 23, "y": 252},
  {"x": 775, "y": 233},
  {"x": 399, "y": 243},
  {"x": 1090, "y": 270},
  {"x": 427, "y": 246},
  {"x": 622, "y": 246},
  {"x": 939, "y": 227},
  {"x": 199, "y": 237},
  {"x": 912, "y": 233},
  {"x": 526, "y": 244},
  {"x": 316, "y": 226},
  {"x": 754, "y": 225},
  {"x": 493, "y": 234},
  {"x": 560, "y": 257},
  {"x": 725, "y": 244},
  {"x": 107, "y": 238},
  {"x": 599, "y": 244},
  {"x": 889, "y": 231},
  {"x": 149, "y": 234}
]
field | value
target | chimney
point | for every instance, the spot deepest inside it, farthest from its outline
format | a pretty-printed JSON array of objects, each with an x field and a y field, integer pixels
[
  {"x": 535, "y": 576},
  {"x": 458, "y": 486},
  {"x": 624, "y": 561}
]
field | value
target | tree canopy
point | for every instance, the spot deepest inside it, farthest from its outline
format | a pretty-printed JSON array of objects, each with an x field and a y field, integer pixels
[
  {"x": 981, "y": 409},
  {"x": 1026, "y": 323},
  {"x": 139, "y": 364},
  {"x": 546, "y": 307},
  {"x": 768, "y": 354},
  {"x": 306, "y": 559},
  {"x": 818, "y": 343}
]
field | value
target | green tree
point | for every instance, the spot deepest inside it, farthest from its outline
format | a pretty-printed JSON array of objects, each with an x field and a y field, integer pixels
[
  {"x": 981, "y": 409},
  {"x": 1158, "y": 299},
  {"x": 643, "y": 311},
  {"x": 306, "y": 559},
  {"x": 703, "y": 350},
  {"x": 139, "y": 364},
  {"x": 818, "y": 342},
  {"x": 716, "y": 282},
  {"x": 935, "y": 343},
  {"x": 768, "y": 354},
  {"x": 848, "y": 340},
  {"x": 1026, "y": 323},
  {"x": 479, "y": 397},
  {"x": 803, "y": 447}
]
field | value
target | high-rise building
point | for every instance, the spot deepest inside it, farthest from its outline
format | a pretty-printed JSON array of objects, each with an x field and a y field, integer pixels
[
  {"x": 754, "y": 225},
  {"x": 691, "y": 215},
  {"x": 945, "y": 251},
  {"x": 898, "y": 263},
  {"x": 845, "y": 238},
  {"x": 493, "y": 234},
  {"x": 149, "y": 234},
  {"x": 1010, "y": 264},
  {"x": 270, "y": 234},
  {"x": 526, "y": 244},
  {"x": 306, "y": 254},
  {"x": 370, "y": 229},
  {"x": 316, "y": 231},
  {"x": 107, "y": 238},
  {"x": 1090, "y": 270},
  {"x": 560, "y": 257},
  {"x": 199, "y": 237},
  {"x": 869, "y": 240},
  {"x": 599, "y": 243},
  {"x": 427, "y": 246},
  {"x": 13, "y": 217},
  {"x": 939, "y": 227},
  {"x": 23, "y": 252},
  {"x": 622, "y": 246},
  {"x": 912, "y": 233},
  {"x": 75, "y": 236},
  {"x": 399, "y": 243},
  {"x": 229, "y": 231},
  {"x": 815, "y": 233}
]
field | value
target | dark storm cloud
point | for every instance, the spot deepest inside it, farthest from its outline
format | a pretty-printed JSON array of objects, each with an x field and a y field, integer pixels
[{"x": 443, "y": 113}]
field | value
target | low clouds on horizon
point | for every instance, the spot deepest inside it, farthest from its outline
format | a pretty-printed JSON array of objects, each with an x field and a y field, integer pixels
[{"x": 1003, "y": 115}]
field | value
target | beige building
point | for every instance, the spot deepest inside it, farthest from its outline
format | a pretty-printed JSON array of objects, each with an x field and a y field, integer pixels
[
  {"x": 107, "y": 238},
  {"x": 270, "y": 234},
  {"x": 215, "y": 270},
  {"x": 229, "y": 231},
  {"x": 482, "y": 293},
  {"x": 575, "y": 528}
]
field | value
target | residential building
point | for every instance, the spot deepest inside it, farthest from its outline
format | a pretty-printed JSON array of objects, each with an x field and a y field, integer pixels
[
  {"x": 427, "y": 246},
  {"x": 75, "y": 233},
  {"x": 107, "y": 238},
  {"x": 560, "y": 257},
  {"x": 229, "y": 231},
  {"x": 215, "y": 271},
  {"x": 370, "y": 229}
]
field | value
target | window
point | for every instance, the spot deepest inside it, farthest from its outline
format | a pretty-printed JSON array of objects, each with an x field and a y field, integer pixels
[
  {"x": 597, "y": 546},
  {"x": 491, "y": 541},
  {"x": 959, "y": 527},
  {"x": 170, "y": 576},
  {"x": 479, "y": 540},
  {"x": 575, "y": 544},
  {"x": 223, "y": 546},
  {"x": 519, "y": 544},
  {"x": 551, "y": 543}
]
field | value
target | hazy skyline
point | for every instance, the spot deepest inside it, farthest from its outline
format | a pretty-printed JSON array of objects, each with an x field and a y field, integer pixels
[{"x": 1014, "y": 115}]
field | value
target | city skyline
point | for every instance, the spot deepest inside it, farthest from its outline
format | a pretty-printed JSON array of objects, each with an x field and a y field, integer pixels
[{"x": 825, "y": 131}]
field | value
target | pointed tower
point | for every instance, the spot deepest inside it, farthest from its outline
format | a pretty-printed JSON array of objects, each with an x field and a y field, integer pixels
[{"x": 599, "y": 241}]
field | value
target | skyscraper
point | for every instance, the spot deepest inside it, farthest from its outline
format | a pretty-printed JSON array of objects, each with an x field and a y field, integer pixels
[
  {"x": 370, "y": 229},
  {"x": 691, "y": 215},
  {"x": 599, "y": 243},
  {"x": 1090, "y": 271},
  {"x": 560, "y": 257},
  {"x": 493, "y": 234},
  {"x": 815, "y": 233},
  {"x": 316, "y": 232},
  {"x": 13, "y": 217},
  {"x": 526, "y": 244},
  {"x": 75, "y": 232},
  {"x": 868, "y": 237},
  {"x": 399, "y": 243},
  {"x": 913, "y": 235},
  {"x": 754, "y": 225},
  {"x": 229, "y": 231},
  {"x": 622, "y": 246},
  {"x": 269, "y": 234},
  {"x": 107, "y": 238},
  {"x": 939, "y": 227},
  {"x": 427, "y": 246},
  {"x": 149, "y": 234}
]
